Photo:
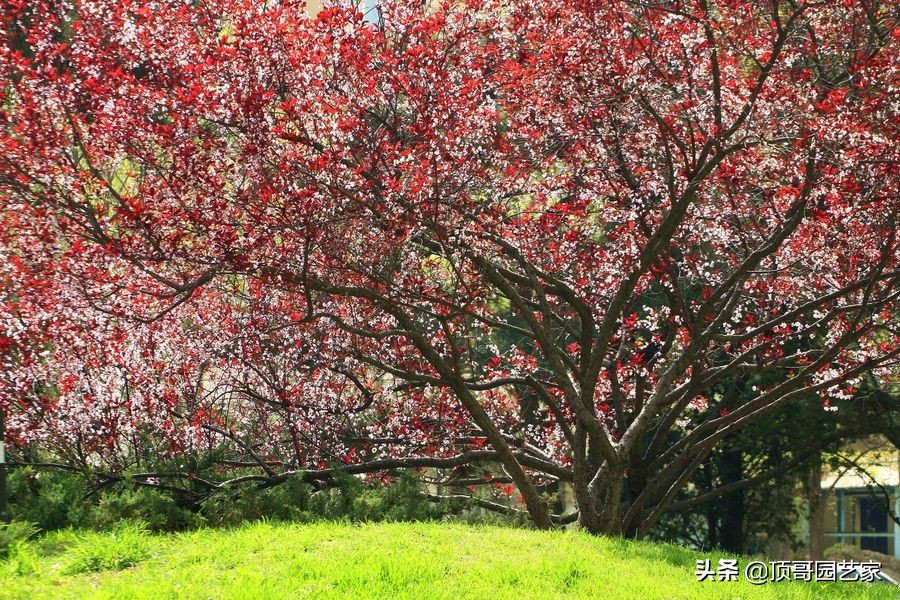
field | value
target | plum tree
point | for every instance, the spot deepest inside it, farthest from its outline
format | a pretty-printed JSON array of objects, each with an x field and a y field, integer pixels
[{"x": 519, "y": 244}]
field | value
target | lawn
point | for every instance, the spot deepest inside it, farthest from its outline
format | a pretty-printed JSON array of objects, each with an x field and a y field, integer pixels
[{"x": 329, "y": 560}]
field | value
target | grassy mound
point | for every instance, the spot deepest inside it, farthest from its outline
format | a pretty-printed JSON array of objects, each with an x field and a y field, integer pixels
[{"x": 336, "y": 560}]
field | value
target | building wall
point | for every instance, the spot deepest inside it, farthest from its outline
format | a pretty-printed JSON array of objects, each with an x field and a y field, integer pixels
[{"x": 845, "y": 511}]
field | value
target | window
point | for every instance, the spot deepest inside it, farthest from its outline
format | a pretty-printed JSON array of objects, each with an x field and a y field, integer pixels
[{"x": 862, "y": 521}]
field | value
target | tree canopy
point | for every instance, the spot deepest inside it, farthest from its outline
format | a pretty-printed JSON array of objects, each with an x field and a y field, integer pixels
[{"x": 544, "y": 236}]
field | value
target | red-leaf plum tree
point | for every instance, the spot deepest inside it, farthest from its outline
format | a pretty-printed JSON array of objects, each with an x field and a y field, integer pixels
[{"x": 518, "y": 244}]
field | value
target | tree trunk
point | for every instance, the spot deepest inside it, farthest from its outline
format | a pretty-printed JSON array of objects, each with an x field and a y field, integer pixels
[
  {"x": 4, "y": 517},
  {"x": 712, "y": 521},
  {"x": 816, "y": 500},
  {"x": 731, "y": 507}
]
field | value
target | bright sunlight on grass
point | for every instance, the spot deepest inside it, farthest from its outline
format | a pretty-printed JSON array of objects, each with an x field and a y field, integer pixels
[{"x": 273, "y": 560}]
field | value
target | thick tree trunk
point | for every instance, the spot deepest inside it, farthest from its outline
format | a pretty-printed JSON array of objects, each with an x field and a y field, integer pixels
[
  {"x": 731, "y": 507},
  {"x": 712, "y": 523},
  {"x": 601, "y": 506},
  {"x": 816, "y": 500}
]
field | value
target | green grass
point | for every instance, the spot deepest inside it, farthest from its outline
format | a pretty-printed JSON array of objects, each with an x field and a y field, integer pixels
[{"x": 336, "y": 560}]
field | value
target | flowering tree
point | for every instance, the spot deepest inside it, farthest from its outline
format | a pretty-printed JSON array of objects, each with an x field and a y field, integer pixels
[{"x": 518, "y": 244}]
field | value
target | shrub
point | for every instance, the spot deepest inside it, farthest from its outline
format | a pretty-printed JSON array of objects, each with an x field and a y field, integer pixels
[
  {"x": 13, "y": 533},
  {"x": 289, "y": 501},
  {"x": 157, "y": 510},
  {"x": 49, "y": 499},
  {"x": 58, "y": 500}
]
